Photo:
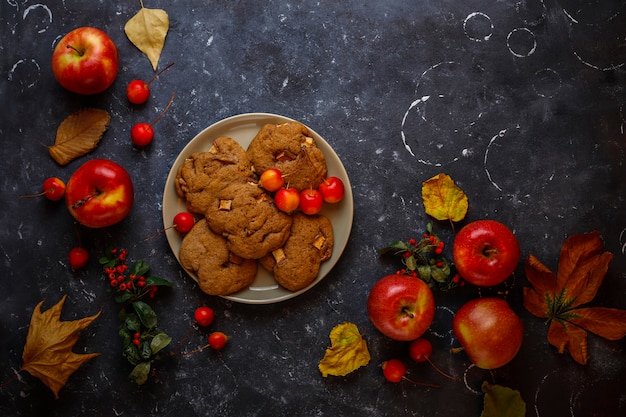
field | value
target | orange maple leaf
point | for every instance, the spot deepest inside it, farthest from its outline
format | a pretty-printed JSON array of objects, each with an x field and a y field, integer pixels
[
  {"x": 559, "y": 297},
  {"x": 48, "y": 351}
]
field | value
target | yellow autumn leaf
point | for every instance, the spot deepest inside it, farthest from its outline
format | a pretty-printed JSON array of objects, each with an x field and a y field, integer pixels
[
  {"x": 48, "y": 351},
  {"x": 347, "y": 352},
  {"x": 443, "y": 199},
  {"x": 79, "y": 134},
  {"x": 147, "y": 30}
]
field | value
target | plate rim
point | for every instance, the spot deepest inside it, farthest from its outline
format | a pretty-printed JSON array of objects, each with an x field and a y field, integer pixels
[{"x": 257, "y": 118}]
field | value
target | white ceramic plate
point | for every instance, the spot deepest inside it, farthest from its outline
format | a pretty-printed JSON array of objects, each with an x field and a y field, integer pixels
[{"x": 243, "y": 128}]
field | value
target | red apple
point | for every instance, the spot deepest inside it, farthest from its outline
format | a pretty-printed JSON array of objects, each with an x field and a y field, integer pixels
[
  {"x": 332, "y": 190},
  {"x": 85, "y": 61},
  {"x": 489, "y": 331},
  {"x": 99, "y": 193},
  {"x": 287, "y": 199},
  {"x": 401, "y": 307},
  {"x": 485, "y": 252}
]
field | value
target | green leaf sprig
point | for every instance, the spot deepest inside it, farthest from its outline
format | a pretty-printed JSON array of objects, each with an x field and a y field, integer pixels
[
  {"x": 425, "y": 259},
  {"x": 142, "y": 341}
]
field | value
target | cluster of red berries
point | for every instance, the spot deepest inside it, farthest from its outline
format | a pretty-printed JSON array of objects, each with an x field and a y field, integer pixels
[
  {"x": 137, "y": 339},
  {"x": 118, "y": 277},
  {"x": 425, "y": 259}
]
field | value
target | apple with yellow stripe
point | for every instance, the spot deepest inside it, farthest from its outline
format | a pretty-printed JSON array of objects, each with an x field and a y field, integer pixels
[
  {"x": 85, "y": 61},
  {"x": 489, "y": 331},
  {"x": 99, "y": 193}
]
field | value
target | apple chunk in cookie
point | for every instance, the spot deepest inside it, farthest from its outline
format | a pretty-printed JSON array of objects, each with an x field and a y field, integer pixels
[
  {"x": 244, "y": 214},
  {"x": 202, "y": 174},
  {"x": 297, "y": 263}
]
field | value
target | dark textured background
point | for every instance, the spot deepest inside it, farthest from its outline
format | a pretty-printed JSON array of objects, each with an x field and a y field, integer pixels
[{"x": 521, "y": 102}]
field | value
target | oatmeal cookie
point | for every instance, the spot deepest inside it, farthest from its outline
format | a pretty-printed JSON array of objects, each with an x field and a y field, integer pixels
[
  {"x": 219, "y": 271},
  {"x": 244, "y": 214},
  {"x": 290, "y": 148},
  {"x": 297, "y": 263},
  {"x": 204, "y": 173}
]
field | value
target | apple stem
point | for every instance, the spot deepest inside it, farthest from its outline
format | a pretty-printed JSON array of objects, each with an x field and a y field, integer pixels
[
  {"x": 457, "y": 350},
  {"x": 34, "y": 195},
  {"x": 79, "y": 52},
  {"x": 425, "y": 384},
  {"x": 82, "y": 201},
  {"x": 164, "y": 110},
  {"x": 158, "y": 233},
  {"x": 159, "y": 73},
  {"x": 490, "y": 251},
  {"x": 441, "y": 372}
]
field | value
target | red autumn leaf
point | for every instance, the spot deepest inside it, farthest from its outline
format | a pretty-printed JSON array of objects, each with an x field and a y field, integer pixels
[
  {"x": 48, "y": 351},
  {"x": 582, "y": 267}
]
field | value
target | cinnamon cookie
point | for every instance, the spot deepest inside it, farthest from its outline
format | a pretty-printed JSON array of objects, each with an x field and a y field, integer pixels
[
  {"x": 297, "y": 263},
  {"x": 219, "y": 271},
  {"x": 244, "y": 214},
  {"x": 290, "y": 148},
  {"x": 204, "y": 173}
]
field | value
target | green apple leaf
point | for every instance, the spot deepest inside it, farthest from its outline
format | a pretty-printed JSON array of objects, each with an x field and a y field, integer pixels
[{"x": 502, "y": 401}]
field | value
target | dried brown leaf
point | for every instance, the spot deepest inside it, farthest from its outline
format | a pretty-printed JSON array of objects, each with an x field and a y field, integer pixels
[
  {"x": 79, "y": 134},
  {"x": 48, "y": 350},
  {"x": 147, "y": 30},
  {"x": 579, "y": 257},
  {"x": 583, "y": 264},
  {"x": 609, "y": 323},
  {"x": 565, "y": 336}
]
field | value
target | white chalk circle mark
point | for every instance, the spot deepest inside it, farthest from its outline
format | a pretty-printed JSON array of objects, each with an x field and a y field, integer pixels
[
  {"x": 33, "y": 7},
  {"x": 532, "y": 12},
  {"x": 444, "y": 115},
  {"x": 478, "y": 27},
  {"x": 591, "y": 12},
  {"x": 521, "y": 42},
  {"x": 547, "y": 82},
  {"x": 25, "y": 73}
]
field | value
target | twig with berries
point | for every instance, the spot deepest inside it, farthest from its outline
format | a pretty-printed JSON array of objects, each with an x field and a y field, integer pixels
[
  {"x": 142, "y": 341},
  {"x": 425, "y": 259}
]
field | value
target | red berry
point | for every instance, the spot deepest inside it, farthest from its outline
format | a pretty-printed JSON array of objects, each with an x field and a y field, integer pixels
[
  {"x": 142, "y": 134},
  {"x": 332, "y": 190},
  {"x": 271, "y": 179},
  {"x": 54, "y": 188},
  {"x": 311, "y": 201},
  {"x": 203, "y": 316},
  {"x": 217, "y": 340},
  {"x": 184, "y": 222},
  {"x": 420, "y": 350},
  {"x": 394, "y": 370},
  {"x": 138, "y": 91},
  {"x": 78, "y": 257},
  {"x": 287, "y": 199}
]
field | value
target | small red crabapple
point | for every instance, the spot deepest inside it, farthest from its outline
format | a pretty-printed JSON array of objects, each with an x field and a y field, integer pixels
[
  {"x": 138, "y": 91},
  {"x": 78, "y": 257},
  {"x": 53, "y": 189},
  {"x": 184, "y": 222},
  {"x": 204, "y": 316},
  {"x": 217, "y": 340}
]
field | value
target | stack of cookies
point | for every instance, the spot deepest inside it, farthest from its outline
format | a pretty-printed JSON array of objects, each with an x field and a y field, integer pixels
[{"x": 240, "y": 227}]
